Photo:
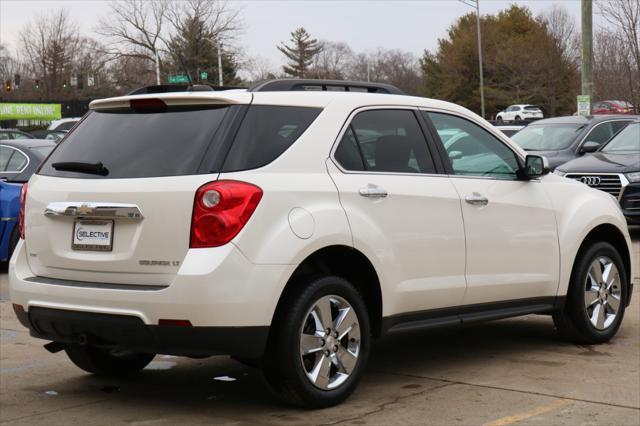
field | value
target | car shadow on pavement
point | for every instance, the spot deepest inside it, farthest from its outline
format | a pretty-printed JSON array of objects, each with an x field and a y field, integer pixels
[{"x": 221, "y": 386}]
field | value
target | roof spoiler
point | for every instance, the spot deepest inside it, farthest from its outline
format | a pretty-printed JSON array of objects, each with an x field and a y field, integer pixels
[
  {"x": 295, "y": 84},
  {"x": 169, "y": 88}
]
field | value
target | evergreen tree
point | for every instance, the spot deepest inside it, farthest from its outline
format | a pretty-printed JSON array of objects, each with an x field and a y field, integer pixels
[
  {"x": 300, "y": 54},
  {"x": 194, "y": 49}
]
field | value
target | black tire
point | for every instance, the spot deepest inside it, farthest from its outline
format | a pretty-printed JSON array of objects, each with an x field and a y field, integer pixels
[
  {"x": 105, "y": 362},
  {"x": 13, "y": 241},
  {"x": 518, "y": 118},
  {"x": 283, "y": 364},
  {"x": 573, "y": 320},
  {"x": 499, "y": 119}
]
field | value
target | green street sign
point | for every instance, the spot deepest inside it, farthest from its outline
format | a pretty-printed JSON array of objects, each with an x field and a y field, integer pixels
[
  {"x": 178, "y": 79},
  {"x": 204, "y": 75},
  {"x": 44, "y": 112}
]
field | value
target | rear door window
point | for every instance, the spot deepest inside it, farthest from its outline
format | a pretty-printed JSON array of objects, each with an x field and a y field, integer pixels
[{"x": 385, "y": 140}]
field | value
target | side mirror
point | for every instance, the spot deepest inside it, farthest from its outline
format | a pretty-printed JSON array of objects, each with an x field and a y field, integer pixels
[
  {"x": 536, "y": 166},
  {"x": 589, "y": 146}
]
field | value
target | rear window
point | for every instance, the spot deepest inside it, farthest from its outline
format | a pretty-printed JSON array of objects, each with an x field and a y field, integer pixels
[
  {"x": 180, "y": 142},
  {"x": 136, "y": 145},
  {"x": 531, "y": 108}
]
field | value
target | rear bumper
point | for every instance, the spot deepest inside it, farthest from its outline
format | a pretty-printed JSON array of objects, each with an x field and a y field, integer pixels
[
  {"x": 215, "y": 288},
  {"x": 72, "y": 327}
]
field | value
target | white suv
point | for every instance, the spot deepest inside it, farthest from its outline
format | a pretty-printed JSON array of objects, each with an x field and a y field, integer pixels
[
  {"x": 287, "y": 228},
  {"x": 520, "y": 113}
]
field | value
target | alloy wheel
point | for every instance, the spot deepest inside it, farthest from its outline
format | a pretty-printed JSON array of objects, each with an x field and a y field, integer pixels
[
  {"x": 330, "y": 342},
  {"x": 603, "y": 292}
]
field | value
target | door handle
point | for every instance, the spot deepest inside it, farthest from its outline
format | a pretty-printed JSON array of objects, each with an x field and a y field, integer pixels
[
  {"x": 373, "y": 191},
  {"x": 476, "y": 199}
]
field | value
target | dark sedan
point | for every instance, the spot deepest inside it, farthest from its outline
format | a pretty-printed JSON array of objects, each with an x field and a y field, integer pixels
[
  {"x": 19, "y": 159},
  {"x": 562, "y": 139},
  {"x": 615, "y": 168}
]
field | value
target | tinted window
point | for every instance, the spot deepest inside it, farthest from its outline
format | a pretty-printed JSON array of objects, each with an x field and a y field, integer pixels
[
  {"x": 348, "y": 154},
  {"x": 43, "y": 150},
  {"x": 18, "y": 135},
  {"x": 17, "y": 161},
  {"x": 547, "y": 137},
  {"x": 472, "y": 150},
  {"x": 627, "y": 140},
  {"x": 144, "y": 144},
  {"x": 385, "y": 141},
  {"x": 67, "y": 125},
  {"x": 266, "y": 132},
  {"x": 5, "y": 154},
  {"x": 605, "y": 131}
]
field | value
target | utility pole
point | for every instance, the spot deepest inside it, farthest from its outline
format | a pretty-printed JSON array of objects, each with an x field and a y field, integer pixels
[
  {"x": 480, "y": 57},
  {"x": 587, "y": 50},
  {"x": 157, "y": 67},
  {"x": 220, "y": 82},
  {"x": 476, "y": 4}
]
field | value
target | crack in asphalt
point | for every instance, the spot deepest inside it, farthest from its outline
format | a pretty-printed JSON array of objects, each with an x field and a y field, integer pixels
[
  {"x": 455, "y": 382},
  {"x": 381, "y": 407}
]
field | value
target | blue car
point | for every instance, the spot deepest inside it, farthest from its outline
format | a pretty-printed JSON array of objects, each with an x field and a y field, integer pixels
[{"x": 19, "y": 159}]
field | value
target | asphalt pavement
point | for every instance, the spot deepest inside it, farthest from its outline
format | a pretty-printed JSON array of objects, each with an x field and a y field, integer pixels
[{"x": 515, "y": 371}]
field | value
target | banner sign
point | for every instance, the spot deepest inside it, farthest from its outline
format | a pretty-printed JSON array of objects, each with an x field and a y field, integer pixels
[{"x": 43, "y": 112}]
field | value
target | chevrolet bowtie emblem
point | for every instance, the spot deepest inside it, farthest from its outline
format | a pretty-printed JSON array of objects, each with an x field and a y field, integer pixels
[{"x": 84, "y": 210}]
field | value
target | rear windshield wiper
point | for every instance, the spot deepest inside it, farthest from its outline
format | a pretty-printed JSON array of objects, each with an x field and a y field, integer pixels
[{"x": 90, "y": 168}]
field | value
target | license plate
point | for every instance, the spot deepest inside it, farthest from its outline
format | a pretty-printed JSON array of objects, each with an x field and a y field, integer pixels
[{"x": 93, "y": 235}]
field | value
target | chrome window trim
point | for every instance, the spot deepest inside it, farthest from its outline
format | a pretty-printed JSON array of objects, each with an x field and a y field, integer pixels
[
  {"x": 21, "y": 152},
  {"x": 494, "y": 132}
]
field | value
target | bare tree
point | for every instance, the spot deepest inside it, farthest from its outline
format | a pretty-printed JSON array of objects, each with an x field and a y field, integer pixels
[
  {"x": 402, "y": 69},
  {"x": 562, "y": 28},
  {"x": 624, "y": 18},
  {"x": 49, "y": 44},
  {"x": 136, "y": 28},
  {"x": 333, "y": 61}
]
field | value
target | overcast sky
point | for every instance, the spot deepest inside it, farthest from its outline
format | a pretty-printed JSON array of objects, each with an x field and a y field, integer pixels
[{"x": 365, "y": 25}]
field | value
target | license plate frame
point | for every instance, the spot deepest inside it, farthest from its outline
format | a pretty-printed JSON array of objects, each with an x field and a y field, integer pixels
[{"x": 94, "y": 226}]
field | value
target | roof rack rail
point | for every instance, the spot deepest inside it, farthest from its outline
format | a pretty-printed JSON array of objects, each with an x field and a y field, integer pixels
[
  {"x": 167, "y": 88},
  {"x": 295, "y": 84}
]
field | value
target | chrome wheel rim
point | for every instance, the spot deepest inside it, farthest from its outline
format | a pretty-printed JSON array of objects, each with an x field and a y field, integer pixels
[
  {"x": 603, "y": 293},
  {"x": 329, "y": 342}
]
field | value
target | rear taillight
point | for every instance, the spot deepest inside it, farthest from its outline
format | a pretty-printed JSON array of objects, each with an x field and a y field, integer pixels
[
  {"x": 23, "y": 199},
  {"x": 220, "y": 211}
]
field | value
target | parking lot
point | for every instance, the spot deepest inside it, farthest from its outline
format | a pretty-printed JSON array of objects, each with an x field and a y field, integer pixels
[{"x": 514, "y": 371}]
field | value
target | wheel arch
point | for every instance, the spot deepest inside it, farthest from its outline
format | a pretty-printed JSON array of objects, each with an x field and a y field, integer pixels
[
  {"x": 611, "y": 234},
  {"x": 345, "y": 262}
]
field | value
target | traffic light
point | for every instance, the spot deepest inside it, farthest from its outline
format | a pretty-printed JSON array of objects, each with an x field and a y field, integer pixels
[{"x": 7, "y": 86}]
